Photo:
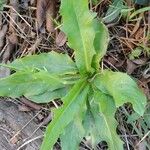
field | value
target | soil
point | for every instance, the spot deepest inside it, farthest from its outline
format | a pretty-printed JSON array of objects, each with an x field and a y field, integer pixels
[{"x": 12, "y": 121}]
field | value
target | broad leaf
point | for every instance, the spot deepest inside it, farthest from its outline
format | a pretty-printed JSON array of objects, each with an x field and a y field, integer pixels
[
  {"x": 52, "y": 62},
  {"x": 78, "y": 26},
  {"x": 105, "y": 122},
  {"x": 122, "y": 88},
  {"x": 49, "y": 95},
  {"x": 73, "y": 135},
  {"x": 30, "y": 84},
  {"x": 73, "y": 102},
  {"x": 91, "y": 132},
  {"x": 100, "y": 42}
]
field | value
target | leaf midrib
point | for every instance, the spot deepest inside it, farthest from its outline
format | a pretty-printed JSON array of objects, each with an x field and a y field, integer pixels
[
  {"x": 61, "y": 113},
  {"x": 105, "y": 119},
  {"x": 82, "y": 39}
]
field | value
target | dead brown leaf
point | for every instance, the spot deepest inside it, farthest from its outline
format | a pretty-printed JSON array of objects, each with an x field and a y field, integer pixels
[
  {"x": 2, "y": 36},
  {"x": 41, "y": 14},
  {"x": 11, "y": 45},
  {"x": 140, "y": 61},
  {"x": 14, "y": 139},
  {"x": 139, "y": 34},
  {"x": 50, "y": 15},
  {"x": 23, "y": 108},
  {"x": 13, "y": 15},
  {"x": 31, "y": 104},
  {"x": 46, "y": 120},
  {"x": 130, "y": 66},
  {"x": 1, "y": 22},
  {"x": 61, "y": 39},
  {"x": 46, "y": 12},
  {"x": 33, "y": 48},
  {"x": 137, "y": 25},
  {"x": 143, "y": 84}
]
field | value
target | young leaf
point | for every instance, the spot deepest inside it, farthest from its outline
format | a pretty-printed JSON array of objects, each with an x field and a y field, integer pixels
[
  {"x": 27, "y": 84},
  {"x": 100, "y": 42},
  {"x": 73, "y": 135},
  {"x": 114, "y": 11},
  {"x": 122, "y": 88},
  {"x": 105, "y": 122},
  {"x": 73, "y": 102},
  {"x": 78, "y": 26},
  {"x": 52, "y": 62}
]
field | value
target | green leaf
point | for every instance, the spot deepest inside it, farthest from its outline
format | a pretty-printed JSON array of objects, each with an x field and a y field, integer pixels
[
  {"x": 73, "y": 102},
  {"x": 142, "y": 10},
  {"x": 122, "y": 88},
  {"x": 96, "y": 1},
  {"x": 114, "y": 11},
  {"x": 30, "y": 84},
  {"x": 105, "y": 122},
  {"x": 73, "y": 135},
  {"x": 147, "y": 117},
  {"x": 48, "y": 95},
  {"x": 2, "y": 2},
  {"x": 100, "y": 42},
  {"x": 142, "y": 2},
  {"x": 78, "y": 26},
  {"x": 135, "y": 53},
  {"x": 90, "y": 128},
  {"x": 52, "y": 62}
]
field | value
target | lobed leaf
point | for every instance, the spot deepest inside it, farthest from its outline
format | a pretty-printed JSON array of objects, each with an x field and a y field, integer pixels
[
  {"x": 73, "y": 102},
  {"x": 78, "y": 26},
  {"x": 73, "y": 135},
  {"x": 122, "y": 88},
  {"x": 49, "y": 95},
  {"x": 31, "y": 84},
  {"x": 91, "y": 131},
  {"x": 105, "y": 122},
  {"x": 100, "y": 42},
  {"x": 52, "y": 62}
]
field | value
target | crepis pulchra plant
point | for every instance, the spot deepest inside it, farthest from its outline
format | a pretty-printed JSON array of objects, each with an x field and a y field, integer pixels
[{"x": 90, "y": 95}]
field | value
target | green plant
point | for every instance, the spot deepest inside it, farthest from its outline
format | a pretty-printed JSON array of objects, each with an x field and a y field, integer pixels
[
  {"x": 90, "y": 95},
  {"x": 142, "y": 2},
  {"x": 2, "y": 2},
  {"x": 116, "y": 10},
  {"x": 136, "y": 12}
]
